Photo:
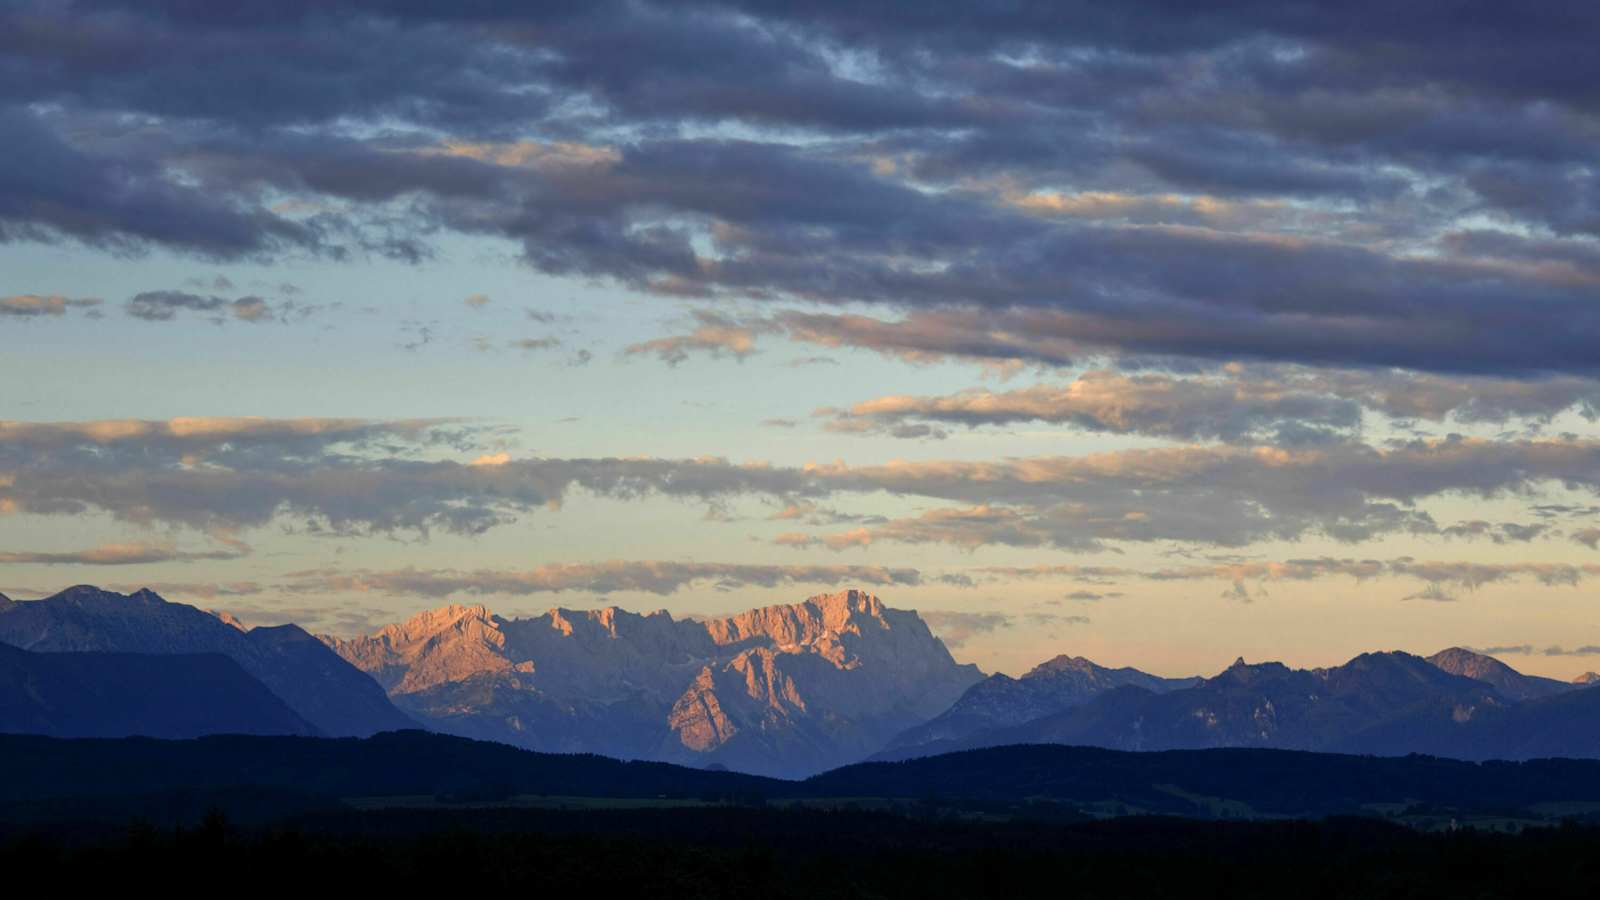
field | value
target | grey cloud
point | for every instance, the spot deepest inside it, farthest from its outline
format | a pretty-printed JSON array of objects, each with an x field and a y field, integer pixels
[
  {"x": 51, "y": 189},
  {"x": 165, "y": 306},
  {"x": 1442, "y": 580},
  {"x": 358, "y": 476},
  {"x": 1585, "y": 650},
  {"x": 1029, "y": 182},
  {"x": 714, "y": 334},
  {"x": 543, "y": 343},
  {"x": 1505, "y": 649},
  {"x": 1432, "y": 592},
  {"x": 956, "y": 628},
  {"x": 655, "y": 577},
  {"x": 125, "y": 554},
  {"x": 1237, "y": 404},
  {"x": 1107, "y": 401},
  {"x": 1498, "y": 532},
  {"x": 1220, "y": 495},
  {"x": 198, "y": 590}
]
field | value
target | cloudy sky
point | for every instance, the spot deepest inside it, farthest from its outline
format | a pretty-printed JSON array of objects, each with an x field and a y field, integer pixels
[{"x": 1151, "y": 333}]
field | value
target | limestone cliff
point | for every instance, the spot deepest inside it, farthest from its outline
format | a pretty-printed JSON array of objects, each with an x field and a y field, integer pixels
[{"x": 784, "y": 690}]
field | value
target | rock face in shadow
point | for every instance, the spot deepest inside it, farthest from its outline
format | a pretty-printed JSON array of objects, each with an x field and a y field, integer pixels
[
  {"x": 1001, "y": 701},
  {"x": 335, "y": 697},
  {"x": 180, "y": 695},
  {"x": 785, "y": 690},
  {"x": 1381, "y": 703}
]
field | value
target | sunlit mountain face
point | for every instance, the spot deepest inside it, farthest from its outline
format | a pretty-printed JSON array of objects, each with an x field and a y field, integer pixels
[{"x": 1151, "y": 334}]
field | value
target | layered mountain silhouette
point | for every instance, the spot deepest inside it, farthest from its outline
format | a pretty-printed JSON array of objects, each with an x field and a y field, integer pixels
[
  {"x": 1001, "y": 701},
  {"x": 334, "y": 697},
  {"x": 1456, "y": 703},
  {"x": 179, "y": 695},
  {"x": 415, "y": 766},
  {"x": 785, "y": 690}
]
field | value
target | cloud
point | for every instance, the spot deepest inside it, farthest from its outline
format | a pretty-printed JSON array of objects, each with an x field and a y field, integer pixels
[
  {"x": 1188, "y": 408},
  {"x": 165, "y": 306},
  {"x": 543, "y": 343},
  {"x": 1239, "y": 404},
  {"x": 1432, "y": 592},
  {"x": 124, "y": 554},
  {"x": 1498, "y": 532},
  {"x": 476, "y": 301},
  {"x": 187, "y": 434},
  {"x": 208, "y": 591},
  {"x": 1251, "y": 183},
  {"x": 35, "y": 305},
  {"x": 1531, "y": 650},
  {"x": 1247, "y": 580},
  {"x": 1212, "y": 494},
  {"x": 956, "y": 628},
  {"x": 655, "y": 577},
  {"x": 1504, "y": 650},
  {"x": 358, "y": 476},
  {"x": 714, "y": 334}
]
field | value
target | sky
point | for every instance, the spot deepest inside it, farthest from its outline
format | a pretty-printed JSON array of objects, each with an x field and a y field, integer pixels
[{"x": 1158, "y": 333}]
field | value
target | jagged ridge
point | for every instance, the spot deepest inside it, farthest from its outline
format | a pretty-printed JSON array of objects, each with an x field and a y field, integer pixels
[{"x": 783, "y": 690}]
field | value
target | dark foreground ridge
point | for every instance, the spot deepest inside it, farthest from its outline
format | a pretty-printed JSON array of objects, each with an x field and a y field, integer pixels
[
  {"x": 426, "y": 812},
  {"x": 740, "y": 852},
  {"x": 72, "y": 779}
]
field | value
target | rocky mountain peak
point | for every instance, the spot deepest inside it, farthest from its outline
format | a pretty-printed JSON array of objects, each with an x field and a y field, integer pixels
[
  {"x": 431, "y": 622},
  {"x": 1241, "y": 672},
  {"x": 786, "y": 689},
  {"x": 1461, "y": 661},
  {"x": 1507, "y": 681},
  {"x": 79, "y": 594},
  {"x": 844, "y": 603},
  {"x": 1060, "y": 664}
]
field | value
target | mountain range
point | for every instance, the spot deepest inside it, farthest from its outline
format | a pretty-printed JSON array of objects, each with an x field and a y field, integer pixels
[
  {"x": 785, "y": 691},
  {"x": 1001, "y": 701},
  {"x": 181, "y": 695},
  {"x": 333, "y": 697},
  {"x": 1456, "y": 703}
]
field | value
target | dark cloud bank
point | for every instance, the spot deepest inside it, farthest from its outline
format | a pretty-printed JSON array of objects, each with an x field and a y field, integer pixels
[{"x": 1324, "y": 183}]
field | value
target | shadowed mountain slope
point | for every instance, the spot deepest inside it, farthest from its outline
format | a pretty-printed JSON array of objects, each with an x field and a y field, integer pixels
[
  {"x": 333, "y": 696},
  {"x": 1387, "y": 703},
  {"x": 1000, "y": 701},
  {"x": 120, "y": 694}
]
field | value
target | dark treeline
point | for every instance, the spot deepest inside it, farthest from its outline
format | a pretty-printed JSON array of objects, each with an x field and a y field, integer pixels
[
  {"x": 1253, "y": 782},
  {"x": 771, "y": 853}
]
